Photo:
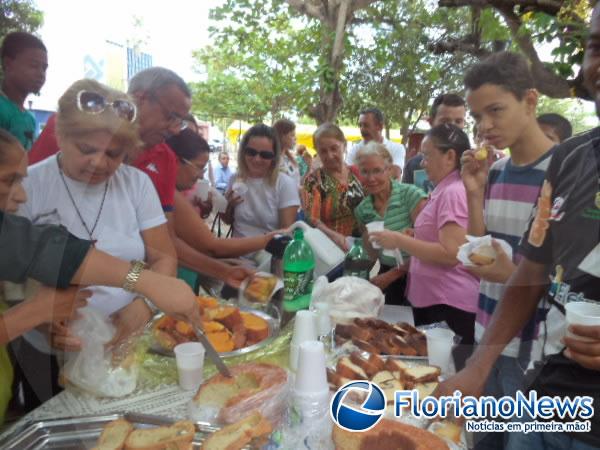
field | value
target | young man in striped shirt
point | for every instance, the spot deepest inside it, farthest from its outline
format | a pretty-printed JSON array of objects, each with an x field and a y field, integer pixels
[{"x": 502, "y": 100}]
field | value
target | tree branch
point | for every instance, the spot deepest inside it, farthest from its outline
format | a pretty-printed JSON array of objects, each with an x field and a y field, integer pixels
[
  {"x": 547, "y": 81},
  {"x": 309, "y": 8}
]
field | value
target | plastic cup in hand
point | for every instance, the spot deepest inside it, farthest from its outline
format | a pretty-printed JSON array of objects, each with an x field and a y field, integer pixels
[
  {"x": 189, "y": 357},
  {"x": 375, "y": 226},
  {"x": 239, "y": 188},
  {"x": 581, "y": 313},
  {"x": 439, "y": 347},
  {"x": 202, "y": 189},
  {"x": 305, "y": 329}
]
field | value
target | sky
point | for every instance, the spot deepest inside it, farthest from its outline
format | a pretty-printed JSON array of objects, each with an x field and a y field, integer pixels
[{"x": 74, "y": 29}]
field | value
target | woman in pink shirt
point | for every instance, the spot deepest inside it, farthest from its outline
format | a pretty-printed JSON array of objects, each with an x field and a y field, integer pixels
[{"x": 439, "y": 288}]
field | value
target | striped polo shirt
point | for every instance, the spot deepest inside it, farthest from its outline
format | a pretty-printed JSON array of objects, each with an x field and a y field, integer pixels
[
  {"x": 511, "y": 195},
  {"x": 404, "y": 198}
]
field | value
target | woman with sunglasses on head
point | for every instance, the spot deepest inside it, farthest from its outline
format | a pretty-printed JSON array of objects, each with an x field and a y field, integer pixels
[
  {"x": 192, "y": 152},
  {"x": 331, "y": 193},
  {"x": 87, "y": 189},
  {"x": 396, "y": 204},
  {"x": 439, "y": 288},
  {"x": 270, "y": 201}
]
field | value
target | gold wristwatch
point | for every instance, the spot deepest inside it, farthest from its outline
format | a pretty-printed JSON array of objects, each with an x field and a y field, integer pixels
[{"x": 132, "y": 277}]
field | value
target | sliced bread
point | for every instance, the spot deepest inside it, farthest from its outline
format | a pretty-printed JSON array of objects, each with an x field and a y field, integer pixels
[
  {"x": 114, "y": 435},
  {"x": 177, "y": 436},
  {"x": 237, "y": 435}
]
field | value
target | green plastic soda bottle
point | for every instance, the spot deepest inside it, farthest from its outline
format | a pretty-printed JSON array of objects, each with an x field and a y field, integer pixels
[
  {"x": 298, "y": 268},
  {"x": 357, "y": 262}
]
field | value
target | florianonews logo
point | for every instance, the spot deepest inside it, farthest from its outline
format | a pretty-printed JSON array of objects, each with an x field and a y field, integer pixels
[{"x": 366, "y": 415}]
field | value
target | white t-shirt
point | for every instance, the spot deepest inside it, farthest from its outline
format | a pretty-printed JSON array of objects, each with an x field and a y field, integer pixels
[
  {"x": 397, "y": 151},
  {"x": 131, "y": 206},
  {"x": 259, "y": 212}
]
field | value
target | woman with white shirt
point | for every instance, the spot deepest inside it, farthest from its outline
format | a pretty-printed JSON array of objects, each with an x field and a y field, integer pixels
[
  {"x": 286, "y": 132},
  {"x": 261, "y": 198},
  {"x": 87, "y": 189}
]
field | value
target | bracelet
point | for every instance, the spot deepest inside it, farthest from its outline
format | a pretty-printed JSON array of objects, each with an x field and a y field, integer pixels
[
  {"x": 153, "y": 308},
  {"x": 132, "y": 277}
]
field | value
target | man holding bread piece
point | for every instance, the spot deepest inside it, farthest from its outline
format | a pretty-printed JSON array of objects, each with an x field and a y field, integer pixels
[{"x": 502, "y": 99}]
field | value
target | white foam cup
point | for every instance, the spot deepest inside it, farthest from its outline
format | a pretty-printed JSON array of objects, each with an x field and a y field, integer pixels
[
  {"x": 375, "y": 226},
  {"x": 305, "y": 329},
  {"x": 311, "y": 376},
  {"x": 189, "y": 357},
  {"x": 581, "y": 313},
  {"x": 439, "y": 347}
]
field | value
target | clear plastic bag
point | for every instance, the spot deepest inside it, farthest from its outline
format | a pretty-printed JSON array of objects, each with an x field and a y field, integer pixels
[
  {"x": 348, "y": 298},
  {"x": 92, "y": 369}
]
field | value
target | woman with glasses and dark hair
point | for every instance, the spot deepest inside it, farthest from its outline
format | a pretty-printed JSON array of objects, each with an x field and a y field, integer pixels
[
  {"x": 261, "y": 198},
  {"x": 87, "y": 189},
  {"x": 395, "y": 204},
  {"x": 439, "y": 288}
]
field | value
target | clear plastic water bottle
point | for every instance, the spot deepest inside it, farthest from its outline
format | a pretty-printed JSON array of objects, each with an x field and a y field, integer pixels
[
  {"x": 298, "y": 268},
  {"x": 357, "y": 262}
]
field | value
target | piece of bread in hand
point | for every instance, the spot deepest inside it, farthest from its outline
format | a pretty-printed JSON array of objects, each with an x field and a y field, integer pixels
[
  {"x": 483, "y": 255},
  {"x": 239, "y": 434},
  {"x": 177, "y": 436},
  {"x": 114, "y": 435}
]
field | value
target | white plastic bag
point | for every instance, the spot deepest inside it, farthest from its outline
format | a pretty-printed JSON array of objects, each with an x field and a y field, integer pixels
[
  {"x": 91, "y": 369},
  {"x": 474, "y": 242},
  {"x": 348, "y": 298}
]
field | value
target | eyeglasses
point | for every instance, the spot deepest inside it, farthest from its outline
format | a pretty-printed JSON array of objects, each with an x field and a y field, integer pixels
[
  {"x": 372, "y": 173},
  {"x": 94, "y": 103},
  {"x": 198, "y": 168},
  {"x": 171, "y": 116},
  {"x": 262, "y": 153}
]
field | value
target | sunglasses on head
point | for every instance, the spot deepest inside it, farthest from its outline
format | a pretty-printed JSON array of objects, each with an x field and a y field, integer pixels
[
  {"x": 94, "y": 103},
  {"x": 264, "y": 154}
]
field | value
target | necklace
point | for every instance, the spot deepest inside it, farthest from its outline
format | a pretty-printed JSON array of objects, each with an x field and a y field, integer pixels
[{"x": 90, "y": 232}]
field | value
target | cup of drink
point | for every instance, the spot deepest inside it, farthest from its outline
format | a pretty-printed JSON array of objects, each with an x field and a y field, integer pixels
[
  {"x": 189, "y": 357},
  {"x": 439, "y": 347},
  {"x": 202, "y": 189},
  {"x": 305, "y": 329},
  {"x": 375, "y": 226},
  {"x": 581, "y": 313}
]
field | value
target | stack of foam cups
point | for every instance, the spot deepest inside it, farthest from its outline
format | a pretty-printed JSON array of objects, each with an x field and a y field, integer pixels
[
  {"x": 311, "y": 391},
  {"x": 305, "y": 329}
]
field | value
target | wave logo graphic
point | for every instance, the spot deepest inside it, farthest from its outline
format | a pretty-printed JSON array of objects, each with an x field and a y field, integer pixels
[{"x": 363, "y": 417}]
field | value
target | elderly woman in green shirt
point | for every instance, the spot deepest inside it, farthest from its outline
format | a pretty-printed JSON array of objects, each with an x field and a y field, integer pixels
[{"x": 396, "y": 204}]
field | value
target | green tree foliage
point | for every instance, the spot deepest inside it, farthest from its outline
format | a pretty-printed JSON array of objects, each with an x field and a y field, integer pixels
[
  {"x": 557, "y": 26},
  {"x": 264, "y": 62},
  {"x": 392, "y": 67}
]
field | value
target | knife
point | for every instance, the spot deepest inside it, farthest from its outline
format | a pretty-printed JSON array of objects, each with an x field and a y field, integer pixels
[{"x": 211, "y": 352}]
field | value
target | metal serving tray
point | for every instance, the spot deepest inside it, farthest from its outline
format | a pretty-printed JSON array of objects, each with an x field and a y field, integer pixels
[
  {"x": 272, "y": 322},
  {"x": 79, "y": 433}
]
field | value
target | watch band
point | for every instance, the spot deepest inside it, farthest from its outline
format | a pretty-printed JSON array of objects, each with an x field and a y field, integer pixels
[{"x": 132, "y": 277}]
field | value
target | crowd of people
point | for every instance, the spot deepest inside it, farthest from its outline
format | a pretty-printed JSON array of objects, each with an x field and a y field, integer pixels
[{"x": 112, "y": 179}]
